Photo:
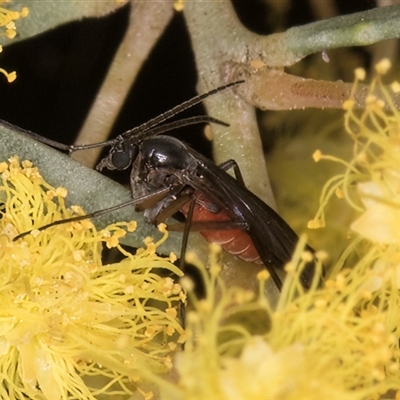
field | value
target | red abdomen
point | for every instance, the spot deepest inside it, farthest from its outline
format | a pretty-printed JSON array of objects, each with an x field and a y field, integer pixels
[{"x": 234, "y": 241}]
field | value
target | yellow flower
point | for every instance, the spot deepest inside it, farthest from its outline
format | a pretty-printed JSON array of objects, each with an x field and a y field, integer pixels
[
  {"x": 71, "y": 327},
  {"x": 336, "y": 341},
  {"x": 7, "y": 18},
  {"x": 381, "y": 220}
]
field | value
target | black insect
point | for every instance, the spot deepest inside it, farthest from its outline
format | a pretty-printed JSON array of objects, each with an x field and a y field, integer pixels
[{"x": 167, "y": 176}]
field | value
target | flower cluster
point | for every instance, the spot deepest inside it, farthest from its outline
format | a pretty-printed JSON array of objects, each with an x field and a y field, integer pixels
[
  {"x": 71, "y": 327},
  {"x": 7, "y": 18},
  {"x": 337, "y": 341}
]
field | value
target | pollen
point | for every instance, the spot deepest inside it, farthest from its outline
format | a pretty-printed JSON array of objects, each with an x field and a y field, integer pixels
[
  {"x": 172, "y": 257},
  {"x": 3, "y": 167},
  {"x": 132, "y": 226},
  {"x": 321, "y": 255},
  {"x": 317, "y": 155},
  {"x": 348, "y": 104},
  {"x": 263, "y": 275},
  {"x": 178, "y": 5},
  {"x": 383, "y": 66},
  {"x": 171, "y": 312},
  {"x": 306, "y": 256},
  {"x": 62, "y": 192},
  {"x": 360, "y": 74},
  {"x": 315, "y": 224},
  {"x": 290, "y": 267},
  {"x": 162, "y": 227},
  {"x": 395, "y": 86},
  {"x": 10, "y": 76},
  {"x": 339, "y": 193}
]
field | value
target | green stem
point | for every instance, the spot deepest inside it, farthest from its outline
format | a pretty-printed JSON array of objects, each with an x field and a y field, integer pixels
[
  {"x": 217, "y": 37},
  {"x": 359, "y": 29}
]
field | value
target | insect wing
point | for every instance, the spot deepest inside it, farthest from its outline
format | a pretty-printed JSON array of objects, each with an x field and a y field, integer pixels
[{"x": 273, "y": 238}]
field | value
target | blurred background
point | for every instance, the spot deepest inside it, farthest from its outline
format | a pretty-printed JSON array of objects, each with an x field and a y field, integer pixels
[{"x": 60, "y": 72}]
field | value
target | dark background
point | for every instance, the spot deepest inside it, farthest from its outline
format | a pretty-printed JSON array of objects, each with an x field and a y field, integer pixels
[{"x": 60, "y": 72}]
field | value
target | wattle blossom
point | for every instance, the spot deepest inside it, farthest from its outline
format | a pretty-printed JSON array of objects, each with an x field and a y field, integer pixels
[
  {"x": 9, "y": 29},
  {"x": 71, "y": 327}
]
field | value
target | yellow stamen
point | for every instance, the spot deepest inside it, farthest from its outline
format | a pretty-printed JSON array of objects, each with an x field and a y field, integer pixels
[{"x": 67, "y": 317}]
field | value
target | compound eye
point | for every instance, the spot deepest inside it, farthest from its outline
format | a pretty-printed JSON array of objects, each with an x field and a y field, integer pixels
[{"x": 123, "y": 157}]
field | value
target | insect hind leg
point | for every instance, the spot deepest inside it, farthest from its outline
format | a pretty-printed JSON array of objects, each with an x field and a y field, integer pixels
[{"x": 232, "y": 164}]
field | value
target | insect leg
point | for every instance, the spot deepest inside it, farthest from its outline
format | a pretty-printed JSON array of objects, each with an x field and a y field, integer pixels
[
  {"x": 232, "y": 164},
  {"x": 185, "y": 238},
  {"x": 95, "y": 214}
]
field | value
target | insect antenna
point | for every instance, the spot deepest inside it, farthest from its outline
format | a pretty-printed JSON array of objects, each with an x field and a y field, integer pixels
[
  {"x": 50, "y": 142},
  {"x": 201, "y": 119},
  {"x": 35, "y": 136},
  {"x": 141, "y": 131}
]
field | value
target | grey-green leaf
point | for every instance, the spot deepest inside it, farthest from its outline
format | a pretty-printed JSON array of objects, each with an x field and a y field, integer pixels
[
  {"x": 86, "y": 187},
  {"x": 48, "y": 14}
]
